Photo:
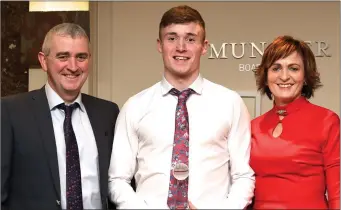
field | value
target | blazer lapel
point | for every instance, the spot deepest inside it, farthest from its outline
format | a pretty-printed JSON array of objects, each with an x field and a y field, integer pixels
[
  {"x": 102, "y": 146},
  {"x": 43, "y": 115}
]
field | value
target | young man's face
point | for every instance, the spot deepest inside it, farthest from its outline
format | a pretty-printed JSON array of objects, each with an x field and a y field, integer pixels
[{"x": 181, "y": 46}]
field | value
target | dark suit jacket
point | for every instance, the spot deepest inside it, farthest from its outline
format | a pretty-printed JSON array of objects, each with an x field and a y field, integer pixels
[{"x": 29, "y": 165}]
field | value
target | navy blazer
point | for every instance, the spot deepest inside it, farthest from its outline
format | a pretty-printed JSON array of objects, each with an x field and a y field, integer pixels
[{"x": 29, "y": 164}]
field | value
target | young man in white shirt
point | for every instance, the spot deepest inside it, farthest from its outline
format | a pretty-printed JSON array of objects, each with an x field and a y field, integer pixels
[{"x": 191, "y": 152}]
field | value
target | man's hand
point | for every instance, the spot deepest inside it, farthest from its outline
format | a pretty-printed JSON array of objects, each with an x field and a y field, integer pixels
[{"x": 191, "y": 206}]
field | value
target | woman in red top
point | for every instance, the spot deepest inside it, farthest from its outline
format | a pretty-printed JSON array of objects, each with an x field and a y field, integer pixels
[{"x": 295, "y": 149}]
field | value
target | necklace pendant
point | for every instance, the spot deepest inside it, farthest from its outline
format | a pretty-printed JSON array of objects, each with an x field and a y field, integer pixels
[{"x": 282, "y": 112}]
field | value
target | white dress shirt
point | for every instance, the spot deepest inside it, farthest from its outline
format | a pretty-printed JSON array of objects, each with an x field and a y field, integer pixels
[
  {"x": 219, "y": 148},
  {"x": 88, "y": 154}
]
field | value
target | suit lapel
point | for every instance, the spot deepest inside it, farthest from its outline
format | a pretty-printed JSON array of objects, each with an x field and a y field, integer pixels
[
  {"x": 43, "y": 115},
  {"x": 102, "y": 146}
]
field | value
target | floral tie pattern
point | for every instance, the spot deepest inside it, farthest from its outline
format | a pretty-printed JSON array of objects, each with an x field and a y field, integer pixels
[
  {"x": 74, "y": 200},
  {"x": 178, "y": 189}
]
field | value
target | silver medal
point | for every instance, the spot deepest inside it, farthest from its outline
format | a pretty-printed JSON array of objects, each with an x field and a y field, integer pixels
[{"x": 180, "y": 171}]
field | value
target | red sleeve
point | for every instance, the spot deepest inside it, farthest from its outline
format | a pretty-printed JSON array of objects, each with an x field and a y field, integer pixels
[{"x": 331, "y": 156}]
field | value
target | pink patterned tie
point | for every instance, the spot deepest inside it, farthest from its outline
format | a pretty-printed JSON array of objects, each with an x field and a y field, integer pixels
[{"x": 178, "y": 189}]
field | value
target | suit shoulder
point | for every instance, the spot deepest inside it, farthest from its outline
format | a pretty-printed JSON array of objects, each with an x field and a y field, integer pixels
[
  {"x": 99, "y": 101},
  {"x": 20, "y": 97}
]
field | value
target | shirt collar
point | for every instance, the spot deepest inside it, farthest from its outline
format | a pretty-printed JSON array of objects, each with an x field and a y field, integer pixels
[
  {"x": 54, "y": 99},
  {"x": 197, "y": 85}
]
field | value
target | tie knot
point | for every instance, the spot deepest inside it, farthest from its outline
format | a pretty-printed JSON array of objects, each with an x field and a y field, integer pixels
[
  {"x": 68, "y": 109},
  {"x": 184, "y": 95}
]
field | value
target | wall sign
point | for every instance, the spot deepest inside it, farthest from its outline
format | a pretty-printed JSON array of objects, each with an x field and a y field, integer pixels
[{"x": 254, "y": 50}]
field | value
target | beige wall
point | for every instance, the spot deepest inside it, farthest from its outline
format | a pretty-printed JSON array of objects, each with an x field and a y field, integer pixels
[{"x": 126, "y": 60}]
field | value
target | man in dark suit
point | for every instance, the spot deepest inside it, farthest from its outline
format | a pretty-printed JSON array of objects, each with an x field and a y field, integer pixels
[{"x": 56, "y": 142}]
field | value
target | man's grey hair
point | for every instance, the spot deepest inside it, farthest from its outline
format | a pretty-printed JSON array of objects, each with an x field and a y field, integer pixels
[{"x": 64, "y": 29}]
